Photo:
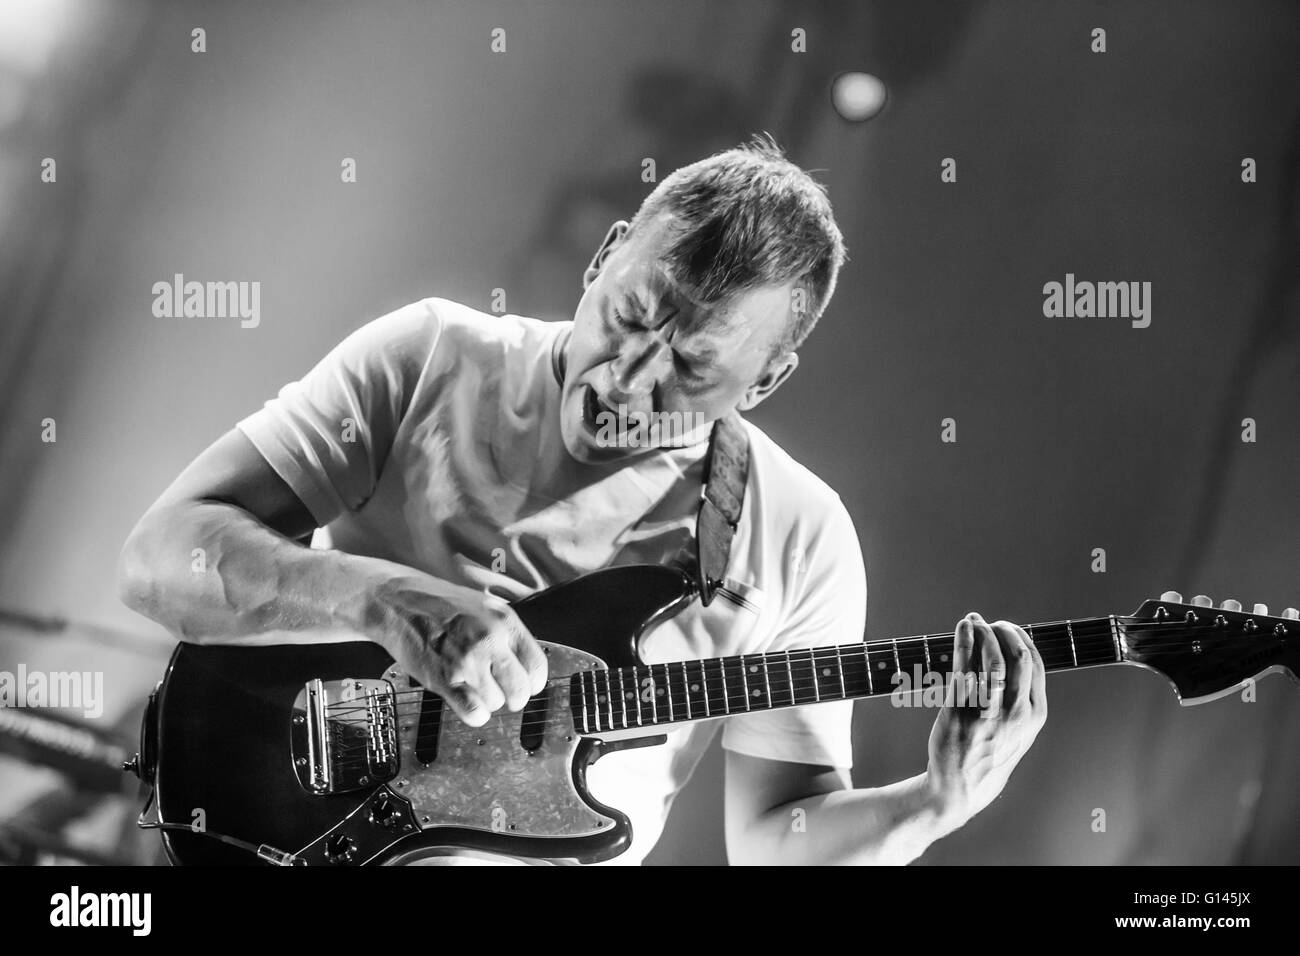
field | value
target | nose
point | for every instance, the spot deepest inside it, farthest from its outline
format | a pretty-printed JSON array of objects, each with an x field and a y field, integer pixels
[{"x": 635, "y": 371}]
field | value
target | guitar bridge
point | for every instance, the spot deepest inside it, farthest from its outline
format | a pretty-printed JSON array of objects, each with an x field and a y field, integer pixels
[{"x": 343, "y": 735}]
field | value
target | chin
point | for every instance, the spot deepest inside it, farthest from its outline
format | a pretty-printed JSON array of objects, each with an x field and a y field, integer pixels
[
  {"x": 583, "y": 449},
  {"x": 578, "y": 449}
]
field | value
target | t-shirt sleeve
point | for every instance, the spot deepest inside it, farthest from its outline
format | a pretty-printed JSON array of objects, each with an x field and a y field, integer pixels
[
  {"x": 328, "y": 435},
  {"x": 829, "y": 579}
]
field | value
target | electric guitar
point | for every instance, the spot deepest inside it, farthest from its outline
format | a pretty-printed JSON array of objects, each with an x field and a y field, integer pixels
[{"x": 330, "y": 755}]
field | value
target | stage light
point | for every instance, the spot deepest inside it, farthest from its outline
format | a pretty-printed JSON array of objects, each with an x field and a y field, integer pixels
[
  {"x": 30, "y": 30},
  {"x": 858, "y": 97}
]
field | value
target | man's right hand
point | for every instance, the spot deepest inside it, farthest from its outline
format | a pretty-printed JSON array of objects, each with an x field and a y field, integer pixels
[{"x": 468, "y": 647}]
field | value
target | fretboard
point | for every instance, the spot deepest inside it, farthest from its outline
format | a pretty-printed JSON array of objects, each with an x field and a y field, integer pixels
[{"x": 648, "y": 695}]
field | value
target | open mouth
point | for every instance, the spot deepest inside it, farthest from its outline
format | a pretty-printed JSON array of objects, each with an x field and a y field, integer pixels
[{"x": 592, "y": 407}]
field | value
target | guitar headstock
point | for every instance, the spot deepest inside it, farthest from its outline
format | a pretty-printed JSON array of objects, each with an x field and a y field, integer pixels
[{"x": 1207, "y": 652}]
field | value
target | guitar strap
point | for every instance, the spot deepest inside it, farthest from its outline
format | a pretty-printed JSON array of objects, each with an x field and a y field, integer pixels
[{"x": 726, "y": 472}]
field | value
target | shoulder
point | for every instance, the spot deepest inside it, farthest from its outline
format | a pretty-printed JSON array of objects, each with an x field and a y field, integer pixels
[
  {"x": 804, "y": 549},
  {"x": 435, "y": 337},
  {"x": 436, "y": 323},
  {"x": 792, "y": 498},
  {"x": 464, "y": 328}
]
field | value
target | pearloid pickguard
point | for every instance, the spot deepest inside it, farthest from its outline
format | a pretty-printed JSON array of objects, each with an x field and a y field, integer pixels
[{"x": 495, "y": 785}]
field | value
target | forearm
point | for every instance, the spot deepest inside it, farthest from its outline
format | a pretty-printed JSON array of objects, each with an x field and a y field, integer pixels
[
  {"x": 212, "y": 573},
  {"x": 893, "y": 824}
]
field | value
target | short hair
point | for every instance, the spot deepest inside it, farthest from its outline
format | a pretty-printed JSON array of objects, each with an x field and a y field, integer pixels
[{"x": 748, "y": 217}]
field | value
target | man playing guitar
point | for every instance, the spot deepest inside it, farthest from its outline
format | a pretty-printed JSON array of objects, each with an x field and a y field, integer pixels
[{"x": 450, "y": 461}]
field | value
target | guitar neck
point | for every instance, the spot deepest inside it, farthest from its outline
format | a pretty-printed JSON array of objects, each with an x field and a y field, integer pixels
[{"x": 649, "y": 695}]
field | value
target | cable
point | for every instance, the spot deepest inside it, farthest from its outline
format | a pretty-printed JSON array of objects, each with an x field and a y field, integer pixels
[{"x": 263, "y": 851}]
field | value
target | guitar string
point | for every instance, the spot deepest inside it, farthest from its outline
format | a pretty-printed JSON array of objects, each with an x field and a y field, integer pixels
[
  {"x": 730, "y": 666},
  {"x": 1090, "y": 629},
  {"x": 798, "y": 682},
  {"x": 602, "y": 716},
  {"x": 717, "y": 695},
  {"x": 710, "y": 697}
]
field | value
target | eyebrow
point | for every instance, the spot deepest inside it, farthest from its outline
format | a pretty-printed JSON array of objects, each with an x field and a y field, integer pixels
[
  {"x": 668, "y": 291},
  {"x": 665, "y": 308},
  {"x": 707, "y": 357}
]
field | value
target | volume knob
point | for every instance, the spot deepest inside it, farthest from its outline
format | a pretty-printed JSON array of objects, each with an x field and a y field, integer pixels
[
  {"x": 340, "y": 849},
  {"x": 385, "y": 812}
]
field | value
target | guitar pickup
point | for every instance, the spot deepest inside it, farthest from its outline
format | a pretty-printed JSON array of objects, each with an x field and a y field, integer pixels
[
  {"x": 532, "y": 726},
  {"x": 426, "y": 736}
]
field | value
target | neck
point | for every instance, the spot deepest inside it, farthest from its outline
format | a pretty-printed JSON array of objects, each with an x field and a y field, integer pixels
[{"x": 650, "y": 695}]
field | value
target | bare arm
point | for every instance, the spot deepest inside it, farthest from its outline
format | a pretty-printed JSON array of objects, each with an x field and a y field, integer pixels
[
  {"x": 781, "y": 813},
  {"x": 215, "y": 560},
  {"x": 784, "y": 813}
]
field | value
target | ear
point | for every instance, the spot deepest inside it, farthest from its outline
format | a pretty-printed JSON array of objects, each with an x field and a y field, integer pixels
[
  {"x": 772, "y": 379},
  {"x": 612, "y": 240}
]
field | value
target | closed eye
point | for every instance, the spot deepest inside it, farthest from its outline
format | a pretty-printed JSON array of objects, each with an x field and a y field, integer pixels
[
  {"x": 624, "y": 322},
  {"x": 688, "y": 368}
]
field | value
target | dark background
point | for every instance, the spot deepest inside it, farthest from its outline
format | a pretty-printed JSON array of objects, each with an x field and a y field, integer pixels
[{"x": 479, "y": 171}]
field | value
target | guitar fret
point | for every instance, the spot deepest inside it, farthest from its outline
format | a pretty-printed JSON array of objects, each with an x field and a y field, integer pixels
[
  {"x": 817, "y": 687},
  {"x": 866, "y": 659},
  {"x": 1074, "y": 654},
  {"x": 789, "y": 673},
  {"x": 667, "y": 677},
  {"x": 799, "y": 690},
  {"x": 898, "y": 668},
  {"x": 1114, "y": 636},
  {"x": 767, "y": 683},
  {"x": 925, "y": 646},
  {"x": 609, "y": 698},
  {"x": 582, "y": 689}
]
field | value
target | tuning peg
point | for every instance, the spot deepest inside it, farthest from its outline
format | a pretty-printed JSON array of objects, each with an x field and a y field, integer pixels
[
  {"x": 1231, "y": 605},
  {"x": 1261, "y": 610},
  {"x": 1202, "y": 600},
  {"x": 1291, "y": 614}
]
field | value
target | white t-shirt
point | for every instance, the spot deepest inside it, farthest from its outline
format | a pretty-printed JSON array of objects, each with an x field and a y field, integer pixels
[{"x": 431, "y": 437}]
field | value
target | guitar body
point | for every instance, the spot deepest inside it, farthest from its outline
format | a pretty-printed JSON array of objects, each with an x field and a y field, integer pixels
[
  {"x": 232, "y": 753},
  {"x": 328, "y": 754}
]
